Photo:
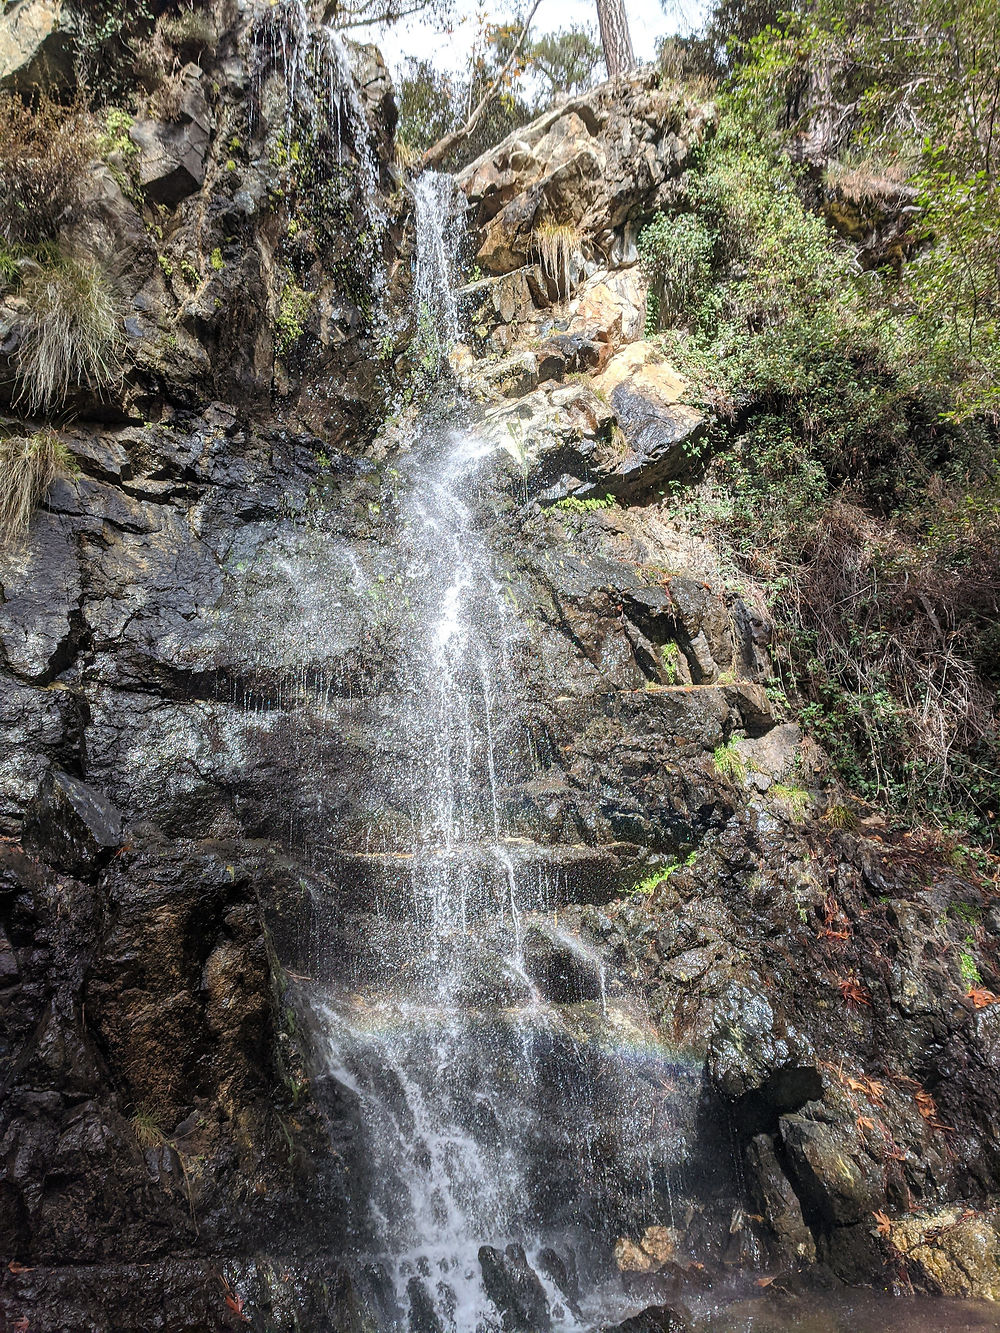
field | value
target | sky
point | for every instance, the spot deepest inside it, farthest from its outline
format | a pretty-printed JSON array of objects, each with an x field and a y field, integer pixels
[{"x": 421, "y": 38}]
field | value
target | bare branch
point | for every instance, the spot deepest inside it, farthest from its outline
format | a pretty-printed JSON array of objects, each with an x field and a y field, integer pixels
[{"x": 437, "y": 152}]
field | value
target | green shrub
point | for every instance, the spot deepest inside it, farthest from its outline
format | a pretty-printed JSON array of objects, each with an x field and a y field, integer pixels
[
  {"x": 44, "y": 152},
  {"x": 71, "y": 334},
  {"x": 28, "y": 467},
  {"x": 676, "y": 259}
]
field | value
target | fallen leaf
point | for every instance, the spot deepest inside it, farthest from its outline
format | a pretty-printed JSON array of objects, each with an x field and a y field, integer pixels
[
  {"x": 764, "y": 1281},
  {"x": 16, "y": 1268},
  {"x": 883, "y": 1223},
  {"x": 982, "y": 998}
]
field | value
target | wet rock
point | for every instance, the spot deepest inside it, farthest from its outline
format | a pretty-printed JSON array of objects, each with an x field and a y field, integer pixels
[
  {"x": 563, "y": 973},
  {"x": 71, "y": 826},
  {"x": 172, "y": 155},
  {"x": 654, "y": 1319},
  {"x": 41, "y": 592},
  {"x": 952, "y": 1251},
  {"x": 424, "y": 1318},
  {"x": 35, "y": 723},
  {"x": 562, "y": 1273},
  {"x": 760, "y": 1063},
  {"x": 514, "y": 1288},
  {"x": 775, "y": 1201},
  {"x": 36, "y": 45}
]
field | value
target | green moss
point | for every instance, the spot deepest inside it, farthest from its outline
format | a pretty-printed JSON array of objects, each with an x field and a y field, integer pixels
[
  {"x": 215, "y": 259},
  {"x": 293, "y": 311},
  {"x": 165, "y": 265},
  {"x": 571, "y": 505}
]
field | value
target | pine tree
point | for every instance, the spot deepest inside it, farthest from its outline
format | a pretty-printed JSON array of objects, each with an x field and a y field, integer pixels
[{"x": 615, "y": 37}]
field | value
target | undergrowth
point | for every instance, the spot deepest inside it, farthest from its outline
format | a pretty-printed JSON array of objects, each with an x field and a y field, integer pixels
[
  {"x": 45, "y": 148},
  {"x": 851, "y": 487}
]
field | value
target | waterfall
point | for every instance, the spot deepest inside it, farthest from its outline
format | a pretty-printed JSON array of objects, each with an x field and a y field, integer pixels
[
  {"x": 513, "y": 1118},
  {"x": 320, "y": 94}
]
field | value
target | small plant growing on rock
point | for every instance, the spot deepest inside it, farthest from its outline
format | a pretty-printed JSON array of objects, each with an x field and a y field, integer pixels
[
  {"x": 840, "y": 817},
  {"x": 570, "y": 504},
  {"x": 795, "y": 799},
  {"x": 729, "y": 763},
  {"x": 671, "y": 655},
  {"x": 28, "y": 467},
  {"x": 70, "y": 336},
  {"x": 967, "y": 966},
  {"x": 147, "y": 1126},
  {"x": 293, "y": 311},
  {"x": 647, "y": 886}
]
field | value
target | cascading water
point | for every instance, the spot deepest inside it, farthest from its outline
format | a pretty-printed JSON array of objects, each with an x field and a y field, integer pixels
[{"x": 509, "y": 1134}]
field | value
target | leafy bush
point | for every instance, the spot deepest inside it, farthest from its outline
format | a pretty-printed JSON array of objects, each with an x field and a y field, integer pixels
[
  {"x": 850, "y": 481},
  {"x": 44, "y": 152},
  {"x": 28, "y": 467},
  {"x": 676, "y": 258},
  {"x": 71, "y": 333}
]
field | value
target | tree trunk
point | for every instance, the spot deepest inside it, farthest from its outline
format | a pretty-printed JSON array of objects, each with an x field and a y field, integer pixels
[{"x": 615, "y": 37}]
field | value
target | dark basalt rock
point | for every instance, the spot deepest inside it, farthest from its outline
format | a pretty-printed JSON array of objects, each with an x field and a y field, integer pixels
[
  {"x": 514, "y": 1288},
  {"x": 172, "y": 155},
  {"x": 71, "y": 825},
  {"x": 654, "y": 1319}
]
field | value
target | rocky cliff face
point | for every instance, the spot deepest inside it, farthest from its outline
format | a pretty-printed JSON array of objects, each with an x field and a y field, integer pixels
[{"x": 194, "y": 641}]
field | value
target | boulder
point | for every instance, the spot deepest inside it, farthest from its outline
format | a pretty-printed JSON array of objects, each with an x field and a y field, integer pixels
[
  {"x": 71, "y": 826},
  {"x": 660, "y": 432},
  {"x": 654, "y": 1319},
  {"x": 760, "y": 1064},
  {"x": 515, "y": 1289},
  {"x": 611, "y": 307},
  {"x": 775, "y": 1200},
  {"x": 604, "y": 160},
  {"x": 36, "y": 47},
  {"x": 657, "y": 1248},
  {"x": 955, "y": 1251},
  {"x": 172, "y": 154}
]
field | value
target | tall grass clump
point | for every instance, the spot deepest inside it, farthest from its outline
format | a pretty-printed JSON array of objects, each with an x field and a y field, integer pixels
[
  {"x": 28, "y": 467},
  {"x": 71, "y": 334}
]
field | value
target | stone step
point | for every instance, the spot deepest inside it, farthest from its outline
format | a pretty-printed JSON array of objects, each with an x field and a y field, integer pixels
[{"x": 463, "y": 882}]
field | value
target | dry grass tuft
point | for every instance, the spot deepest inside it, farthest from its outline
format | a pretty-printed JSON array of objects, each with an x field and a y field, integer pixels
[
  {"x": 28, "y": 467},
  {"x": 557, "y": 242},
  {"x": 71, "y": 335}
]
